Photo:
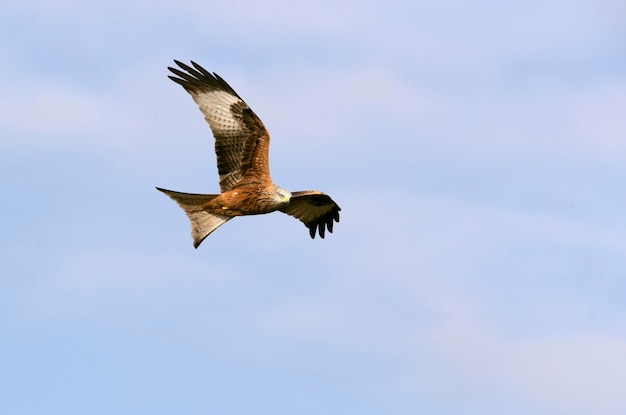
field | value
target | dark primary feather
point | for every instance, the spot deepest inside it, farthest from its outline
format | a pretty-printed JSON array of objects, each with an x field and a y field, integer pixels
[{"x": 199, "y": 78}]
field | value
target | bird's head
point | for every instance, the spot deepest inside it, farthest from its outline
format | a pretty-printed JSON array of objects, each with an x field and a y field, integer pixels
[{"x": 282, "y": 195}]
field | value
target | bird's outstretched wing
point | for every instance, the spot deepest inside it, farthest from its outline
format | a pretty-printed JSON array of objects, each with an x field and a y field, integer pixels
[
  {"x": 315, "y": 209},
  {"x": 241, "y": 139}
]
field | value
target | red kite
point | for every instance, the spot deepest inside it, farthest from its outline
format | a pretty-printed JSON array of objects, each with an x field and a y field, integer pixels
[{"x": 242, "y": 145}]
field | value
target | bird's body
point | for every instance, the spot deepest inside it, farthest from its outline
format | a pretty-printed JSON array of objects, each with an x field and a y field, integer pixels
[
  {"x": 250, "y": 199},
  {"x": 242, "y": 149}
]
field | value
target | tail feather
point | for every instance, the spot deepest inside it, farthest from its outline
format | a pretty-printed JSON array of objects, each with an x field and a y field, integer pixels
[{"x": 202, "y": 222}]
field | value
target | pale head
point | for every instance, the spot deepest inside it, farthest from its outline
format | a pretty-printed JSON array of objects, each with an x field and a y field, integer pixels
[{"x": 281, "y": 195}]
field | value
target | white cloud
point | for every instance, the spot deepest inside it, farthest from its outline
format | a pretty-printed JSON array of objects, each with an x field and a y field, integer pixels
[
  {"x": 368, "y": 106},
  {"x": 88, "y": 284},
  {"x": 47, "y": 109},
  {"x": 409, "y": 286},
  {"x": 599, "y": 123},
  {"x": 377, "y": 113},
  {"x": 573, "y": 373},
  {"x": 136, "y": 120},
  {"x": 407, "y": 278}
]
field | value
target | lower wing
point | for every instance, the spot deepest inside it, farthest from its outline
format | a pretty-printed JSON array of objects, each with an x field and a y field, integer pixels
[{"x": 315, "y": 209}]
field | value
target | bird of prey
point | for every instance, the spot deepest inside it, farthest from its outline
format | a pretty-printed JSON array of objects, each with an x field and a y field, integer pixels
[{"x": 241, "y": 145}]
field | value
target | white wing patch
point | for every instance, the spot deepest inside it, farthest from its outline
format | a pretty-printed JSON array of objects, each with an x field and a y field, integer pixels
[{"x": 215, "y": 106}]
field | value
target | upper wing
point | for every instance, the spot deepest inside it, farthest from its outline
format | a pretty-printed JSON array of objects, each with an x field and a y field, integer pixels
[
  {"x": 315, "y": 209},
  {"x": 241, "y": 140}
]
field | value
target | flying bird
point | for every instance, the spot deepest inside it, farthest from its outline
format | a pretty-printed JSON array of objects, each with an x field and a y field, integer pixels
[{"x": 242, "y": 146}]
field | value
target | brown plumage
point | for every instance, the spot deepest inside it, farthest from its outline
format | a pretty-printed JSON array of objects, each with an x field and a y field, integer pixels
[{"x": 242, "y": 149}]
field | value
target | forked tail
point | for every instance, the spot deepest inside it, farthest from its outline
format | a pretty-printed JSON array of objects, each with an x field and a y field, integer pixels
[{"x": 202, "y": 222}]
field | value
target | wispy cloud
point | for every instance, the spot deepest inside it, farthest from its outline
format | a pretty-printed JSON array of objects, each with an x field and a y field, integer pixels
[{"x": 475, "y": 149}]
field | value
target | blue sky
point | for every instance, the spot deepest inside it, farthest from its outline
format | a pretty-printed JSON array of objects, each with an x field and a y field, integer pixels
[{"x": 477, "y": 150}]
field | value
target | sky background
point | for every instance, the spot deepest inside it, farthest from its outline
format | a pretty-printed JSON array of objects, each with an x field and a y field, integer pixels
[{"x": 478, "y": 152}]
